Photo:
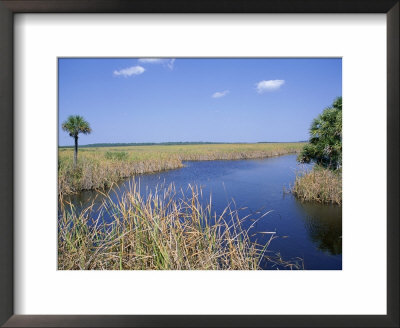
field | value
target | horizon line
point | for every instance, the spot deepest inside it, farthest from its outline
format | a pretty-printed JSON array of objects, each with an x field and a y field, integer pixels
[{"x": 179, "y": 142}]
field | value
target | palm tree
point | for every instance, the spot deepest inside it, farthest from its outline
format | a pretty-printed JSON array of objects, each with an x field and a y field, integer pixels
[
  {"x": 74, "y": 125},
  {"x": 325, "y": 144}
]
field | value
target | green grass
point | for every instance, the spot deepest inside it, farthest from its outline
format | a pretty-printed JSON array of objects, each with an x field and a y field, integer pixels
[
  {"x": 100, "y": 167},
  {"x": 116, "y": 155},
  {"x": 320, "y": 185},
  {"x": 161, "y": 232}
]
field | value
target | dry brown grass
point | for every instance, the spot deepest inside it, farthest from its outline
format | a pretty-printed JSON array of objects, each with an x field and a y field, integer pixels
[
  {"x": 165, "y": 231},
  {"x": 98, "y": 168},
  {"x": 320, "y": 185}
]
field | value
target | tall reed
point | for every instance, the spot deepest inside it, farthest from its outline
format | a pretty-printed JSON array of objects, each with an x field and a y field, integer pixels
[
  {"x": 320, "y": 185},
  {"x": 98, "y": 168},
  {"x": 164, "y": 231}
]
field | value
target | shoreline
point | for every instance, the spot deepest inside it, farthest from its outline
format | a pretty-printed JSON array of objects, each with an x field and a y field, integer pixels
[{"x": 100, "y": 175}]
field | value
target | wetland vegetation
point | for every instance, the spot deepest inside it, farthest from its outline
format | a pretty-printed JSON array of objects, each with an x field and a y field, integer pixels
[
  {"x": 143, "y": 202},
  {"x": 324, "y": 183},
  {"x": 99, "y": 168},
  {"x": 161, "y": 232},
  {"x": 321, "y": 185}
]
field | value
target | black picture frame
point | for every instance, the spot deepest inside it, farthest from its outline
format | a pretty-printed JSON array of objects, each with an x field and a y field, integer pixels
[{"x": 10, "y": 7}]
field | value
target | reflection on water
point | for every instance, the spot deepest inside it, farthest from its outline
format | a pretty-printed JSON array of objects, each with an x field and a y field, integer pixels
[
  {"x": 312, "y": 231},
  {"x": 324, "y": 225}
]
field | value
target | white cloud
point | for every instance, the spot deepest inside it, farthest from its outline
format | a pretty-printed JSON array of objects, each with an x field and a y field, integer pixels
[
  {"x": 170, "y": 64},
  {"x": 165, "y": 61},
  {"x": 220, "y": 94},
  {"x": 134, "y": 70},
  {"x": 150, "y": 60},
  {"x": 269, "y": 85}
]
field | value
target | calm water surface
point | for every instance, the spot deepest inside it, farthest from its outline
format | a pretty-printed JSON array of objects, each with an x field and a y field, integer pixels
[{"x": 311, "y": 231}]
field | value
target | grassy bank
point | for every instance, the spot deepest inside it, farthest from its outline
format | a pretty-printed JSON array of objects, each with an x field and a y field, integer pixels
[
  {"x": 100, "y": 167},
  {"x": 321, "y": 185},
  {"x": 161, "y": 232}
]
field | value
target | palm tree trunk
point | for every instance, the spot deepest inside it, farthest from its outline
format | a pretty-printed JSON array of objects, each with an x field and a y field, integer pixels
[{"x": 76, "y": 151}]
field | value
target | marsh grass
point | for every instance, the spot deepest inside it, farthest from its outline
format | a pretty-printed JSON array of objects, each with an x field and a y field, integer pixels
[
  {"x": 116, "y": 155},
  {"x": 99, "y": 172},
  {"x": 165, "y": 231},
  {"x": 98, "y": 168},
  {"x": 320, "y": 184}
]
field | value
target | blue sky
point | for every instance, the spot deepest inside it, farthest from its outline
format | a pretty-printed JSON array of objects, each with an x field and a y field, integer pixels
[{"x": 220, "y": 100}]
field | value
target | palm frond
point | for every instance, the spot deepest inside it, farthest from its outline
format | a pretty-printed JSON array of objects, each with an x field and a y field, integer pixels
[{"x": 76, "y": 124}]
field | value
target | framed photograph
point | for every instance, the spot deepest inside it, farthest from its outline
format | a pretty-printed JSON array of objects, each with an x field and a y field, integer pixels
[
  {"x": 217, "y": 164},
  {"x": 212, "y": 166}
]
